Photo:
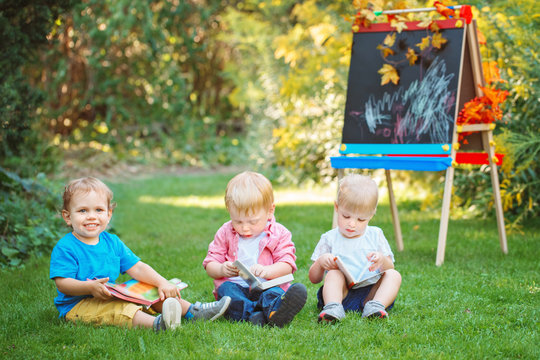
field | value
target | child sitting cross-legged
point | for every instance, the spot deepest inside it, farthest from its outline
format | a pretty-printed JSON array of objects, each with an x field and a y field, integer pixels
[
  {"x": 255, "y": 238},
  {"x": 360, "y": 247},
  {"x": 86, "y": 258}
]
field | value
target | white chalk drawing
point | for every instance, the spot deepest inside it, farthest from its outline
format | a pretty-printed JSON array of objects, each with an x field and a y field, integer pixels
[{"x": 427, "y": 104}]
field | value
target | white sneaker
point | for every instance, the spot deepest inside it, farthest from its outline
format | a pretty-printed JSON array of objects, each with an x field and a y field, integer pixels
[{"x": 171, "y": 313}]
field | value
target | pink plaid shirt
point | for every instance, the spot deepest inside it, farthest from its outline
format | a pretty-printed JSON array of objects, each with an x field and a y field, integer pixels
[{"x": 277, "y": 246}]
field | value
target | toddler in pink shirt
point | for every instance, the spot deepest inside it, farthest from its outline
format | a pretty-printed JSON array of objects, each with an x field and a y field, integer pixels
[{"x": 255, "y": 238}]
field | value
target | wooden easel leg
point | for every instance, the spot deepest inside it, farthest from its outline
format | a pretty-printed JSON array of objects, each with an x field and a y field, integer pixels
[
  {"x": 341, "y": 173},
  {"x": 445, "y": 214},
  {"x": 393, "y": 208},
  {"x": 487, "y": 139}
]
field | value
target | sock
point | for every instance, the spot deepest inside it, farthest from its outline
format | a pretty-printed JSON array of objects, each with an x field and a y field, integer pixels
[
  {"x": 189, "y": 315},
  {"x": 157, "y": 322},
  {"x": 331, "y": 305}
]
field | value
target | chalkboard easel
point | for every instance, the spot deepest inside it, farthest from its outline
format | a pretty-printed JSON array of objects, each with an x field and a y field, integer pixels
[{"x": 412, "y": 125}]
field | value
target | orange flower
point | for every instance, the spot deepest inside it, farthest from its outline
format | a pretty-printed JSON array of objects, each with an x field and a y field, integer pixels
[
  {"x": 494, "y": 96},
  {"x": 484, "y": 109},
  {"x": 481, "y": 37}
]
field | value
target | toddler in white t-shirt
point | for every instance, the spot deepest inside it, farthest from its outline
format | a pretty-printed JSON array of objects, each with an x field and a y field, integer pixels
[{"x": 360, "y": 247}]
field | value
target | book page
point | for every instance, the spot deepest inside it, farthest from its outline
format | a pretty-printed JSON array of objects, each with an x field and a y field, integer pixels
[
  {"x": 142, "y": 293},
  {"x": 364, "y": 275},
  {"x": 246, "y": 274},
  {"x": 276, "y": 282}
]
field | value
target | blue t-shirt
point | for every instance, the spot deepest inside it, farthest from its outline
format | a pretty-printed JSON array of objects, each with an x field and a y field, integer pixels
[{"x": 71, "y": 258}]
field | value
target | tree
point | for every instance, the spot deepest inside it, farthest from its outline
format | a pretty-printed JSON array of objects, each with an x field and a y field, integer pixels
[
  {"x": 141, "y": 80},
  {"x": 24, "y": 26}
]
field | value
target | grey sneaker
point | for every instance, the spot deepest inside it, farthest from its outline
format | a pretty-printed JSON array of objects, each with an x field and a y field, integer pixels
[
  {"x": 332, "y": 312},
  {"x": 170, "y": 317},
  {"x": 374, "y": 309},
  {"x": 210, "y": 311}
]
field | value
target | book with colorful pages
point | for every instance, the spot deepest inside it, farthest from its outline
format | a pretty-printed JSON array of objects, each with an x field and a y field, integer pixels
[{"x": 139, "y": 292}]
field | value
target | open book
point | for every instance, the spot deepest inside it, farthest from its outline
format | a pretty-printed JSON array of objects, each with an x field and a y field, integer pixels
[
  {"x": 138, "y": 292},
  {"x": 255, "y": 283},
  {"x": 364, "y": 275}
]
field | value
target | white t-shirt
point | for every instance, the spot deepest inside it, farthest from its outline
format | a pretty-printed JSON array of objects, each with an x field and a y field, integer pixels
[
  {"x": 248, "y": 254},
  {"x": 353, "y": 252}
]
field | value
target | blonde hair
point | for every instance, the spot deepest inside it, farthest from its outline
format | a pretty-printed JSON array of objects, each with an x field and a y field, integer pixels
[
  {"x": 249, "y": 192},
  {"x": 358, "y": 193},
  {"x": 85, "y": 185}
]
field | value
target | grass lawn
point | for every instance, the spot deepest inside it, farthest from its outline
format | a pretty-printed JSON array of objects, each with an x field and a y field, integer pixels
[{"x": 479, "y": 304}]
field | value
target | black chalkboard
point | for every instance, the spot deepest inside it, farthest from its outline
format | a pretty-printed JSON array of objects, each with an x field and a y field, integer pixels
[{"x": 421, "y": 108}]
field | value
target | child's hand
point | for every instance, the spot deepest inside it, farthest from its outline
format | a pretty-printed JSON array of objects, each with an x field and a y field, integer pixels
[
  {"x": 376, "y": 259},
  {"x": 98, "y": 289},
  {"x": 228, "y": 269},
  {"x": 326, "y": 261},
  {"x": 259, "y": 271},
  {"x": 167, "y": 290}
]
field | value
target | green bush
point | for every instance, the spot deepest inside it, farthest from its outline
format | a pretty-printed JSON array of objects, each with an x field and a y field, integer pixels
[{"x": 29, "y": 221}]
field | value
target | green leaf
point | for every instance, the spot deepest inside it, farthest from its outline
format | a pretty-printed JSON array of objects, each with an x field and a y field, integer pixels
[{"x": 9, "y": 252}]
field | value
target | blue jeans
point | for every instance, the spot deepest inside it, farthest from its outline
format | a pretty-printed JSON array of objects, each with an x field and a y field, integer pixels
[{"x": 244, "y": 303}]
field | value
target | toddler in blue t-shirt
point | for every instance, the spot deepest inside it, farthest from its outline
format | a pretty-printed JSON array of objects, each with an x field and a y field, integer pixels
[{"x": 85, "y": 259}]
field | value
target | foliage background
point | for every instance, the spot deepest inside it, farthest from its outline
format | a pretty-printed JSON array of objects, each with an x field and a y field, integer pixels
[{"x": 94, "y": 85}]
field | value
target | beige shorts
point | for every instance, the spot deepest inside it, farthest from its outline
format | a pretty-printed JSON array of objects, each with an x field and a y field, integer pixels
[{"x": 104, "y": 312}]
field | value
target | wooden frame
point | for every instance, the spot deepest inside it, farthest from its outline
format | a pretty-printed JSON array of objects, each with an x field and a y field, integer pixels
[{"x": 487, "y": 144}]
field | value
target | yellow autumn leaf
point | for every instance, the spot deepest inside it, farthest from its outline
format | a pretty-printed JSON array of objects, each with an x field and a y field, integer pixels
[
  {"x": 424, "y": 23},
  {"x": 398, "y": 25},
  {"x": 401, "y": 5},
  {"x": 390, "y": 39},
  {"x": 360, "y": 4},
  {"x": 411, "y": 56},
  {"x": 389, "y": 73},
  {"x": 320, "y": 33},
  {"x": 424, "y": 44},
  {"x": 438, "y": 40},
  {"x": 385, "y": 50},
  {"x": 368, "y": 14},
  {"x": 434, "y": 27}
]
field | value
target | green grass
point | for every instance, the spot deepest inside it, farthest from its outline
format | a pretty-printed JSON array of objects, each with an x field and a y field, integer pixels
[{"x": 479, "y": 304}]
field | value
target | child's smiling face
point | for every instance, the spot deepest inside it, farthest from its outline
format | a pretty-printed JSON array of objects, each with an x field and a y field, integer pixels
[{"x": 88, "y": 215}]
